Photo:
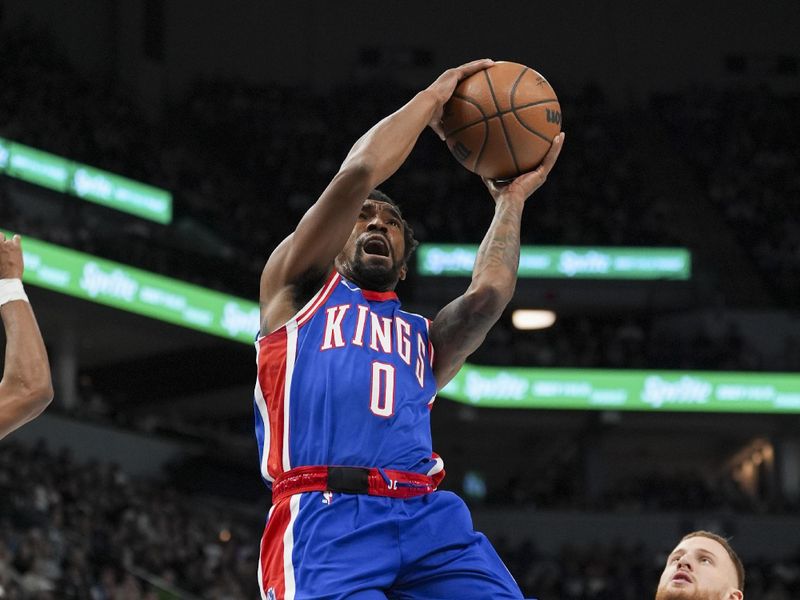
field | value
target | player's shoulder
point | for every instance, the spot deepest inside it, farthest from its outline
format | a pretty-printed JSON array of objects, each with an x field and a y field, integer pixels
[{"x": 291, "y": 301}]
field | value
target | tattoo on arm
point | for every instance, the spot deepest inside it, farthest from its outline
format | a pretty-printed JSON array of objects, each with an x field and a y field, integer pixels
[
  {"x": 500, "y": 247},
  {"x": 462, "y": 325},
  {"x": 495, "y": 269}
]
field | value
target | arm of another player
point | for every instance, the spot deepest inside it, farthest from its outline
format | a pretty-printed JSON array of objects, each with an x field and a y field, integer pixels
[
  {"x": 461, "y": 326},
  {"x": 323, "y": 231},
  {"x": 26, "y": 388}
]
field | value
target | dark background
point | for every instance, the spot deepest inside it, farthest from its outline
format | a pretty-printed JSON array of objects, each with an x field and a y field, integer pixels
[{"x": 682, "y": 119}]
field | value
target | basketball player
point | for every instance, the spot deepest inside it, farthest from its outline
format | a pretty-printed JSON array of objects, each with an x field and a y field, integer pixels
[
  {"x": 25, "y": 389},
  {"x": 346, "y": 380},
  {"x": 702, "y": 567}
]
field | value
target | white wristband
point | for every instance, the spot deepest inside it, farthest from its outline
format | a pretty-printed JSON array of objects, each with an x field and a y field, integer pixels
[{"x": 11, "y": 289}]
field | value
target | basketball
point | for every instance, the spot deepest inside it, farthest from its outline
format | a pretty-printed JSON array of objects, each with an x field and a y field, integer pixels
[{"x": 500, "y": 122}]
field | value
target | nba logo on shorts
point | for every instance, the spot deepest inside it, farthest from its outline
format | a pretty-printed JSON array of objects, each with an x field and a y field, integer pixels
[{"x": 271, "y": 594}]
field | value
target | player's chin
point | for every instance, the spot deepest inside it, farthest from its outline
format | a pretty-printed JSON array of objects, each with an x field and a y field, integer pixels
[
  {"x": 379, "y": 274},
  {"x": 376, "y": 262},
  {"x": 674, "y": 592}
]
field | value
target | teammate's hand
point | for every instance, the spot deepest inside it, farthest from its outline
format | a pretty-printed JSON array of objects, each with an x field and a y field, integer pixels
[
  {"x": 10, "y": 258},
  {"x": 523, "y": 186},
  {"x": 446, "y": 83}
]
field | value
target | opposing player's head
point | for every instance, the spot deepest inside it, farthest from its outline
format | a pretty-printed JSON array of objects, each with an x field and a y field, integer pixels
[
  {"x": 376, "y": 254},
  {"x": 703, "y": 566}
]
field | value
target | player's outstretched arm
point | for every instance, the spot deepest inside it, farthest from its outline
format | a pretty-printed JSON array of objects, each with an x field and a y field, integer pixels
[
  {"x": 308, "y": 253},
  {"x": 26, "y": 388},
  {"x": 461, "y": 326}
]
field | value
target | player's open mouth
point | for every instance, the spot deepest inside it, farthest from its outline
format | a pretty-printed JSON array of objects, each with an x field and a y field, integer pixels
[
  {"x": 682, "y": 576},
  {"x": 376, "y": 245}
]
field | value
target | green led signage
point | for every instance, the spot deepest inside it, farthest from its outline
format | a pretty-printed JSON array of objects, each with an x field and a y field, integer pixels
[
  {"x": 126, "y": 288},
  {"x": 681, "y": 391},
  {"x": 120, "y": 286},
  {"x": 85, "y": 182},
  {"x": 561, "y": 262}
]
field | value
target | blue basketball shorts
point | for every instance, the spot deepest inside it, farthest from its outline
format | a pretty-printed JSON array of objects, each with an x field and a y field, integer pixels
[{"x": 331, "y": 546}]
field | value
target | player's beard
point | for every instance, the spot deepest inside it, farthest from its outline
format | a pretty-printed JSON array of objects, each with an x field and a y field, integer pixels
[
  {"x": 372, "y": 276},
  {"x": 665, "y": 594}
]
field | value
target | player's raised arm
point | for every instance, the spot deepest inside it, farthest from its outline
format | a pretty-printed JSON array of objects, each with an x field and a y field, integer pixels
[
  {"x": 25, "y": 389},
  {"x": 461, "y": 326},
  {"x": 308, "y": 253}
]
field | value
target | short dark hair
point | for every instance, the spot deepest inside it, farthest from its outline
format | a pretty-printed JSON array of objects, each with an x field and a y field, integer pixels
[
  {"x": 737, "y": 562},
  {"x": 408, "y": 233}
]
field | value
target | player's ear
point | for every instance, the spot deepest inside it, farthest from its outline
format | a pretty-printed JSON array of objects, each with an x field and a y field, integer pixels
[
  {"x": 735, "y": 595},
  {"x": 403, "y": 272}
]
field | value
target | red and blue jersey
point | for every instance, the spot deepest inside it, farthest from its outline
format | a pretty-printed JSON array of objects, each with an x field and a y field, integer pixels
[{"x": 347, "y": 381}]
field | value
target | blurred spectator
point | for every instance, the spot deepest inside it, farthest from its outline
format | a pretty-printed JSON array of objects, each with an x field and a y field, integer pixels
[
  {"x": 744, "y": 144},
  {"x": 243, "y": 164},
  {"x": 87, "y": 531},
  {"x": 236, "y": 156}
]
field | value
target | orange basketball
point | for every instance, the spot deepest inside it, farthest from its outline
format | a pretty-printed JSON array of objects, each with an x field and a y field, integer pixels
[{"x": 501, "y": 121}]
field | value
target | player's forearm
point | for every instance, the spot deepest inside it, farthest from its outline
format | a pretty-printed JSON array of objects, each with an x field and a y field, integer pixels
[
  {"x": 461, "y": 326},
  {"x": 27, "y": 370},
  {"x": 494, "y": 275},
  {"x": 324, "y": 229},
  {"x": 385, "y": 147}
]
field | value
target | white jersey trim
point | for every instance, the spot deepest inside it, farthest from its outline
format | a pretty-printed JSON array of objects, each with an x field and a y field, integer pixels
[
  {"x": 260, "y": 566},
  {"x": 291, "y": 351},
  {"x": 305, "y": 313},
  {"x": 317, "y": 300},
  {"x": 261, "y": 404},
  {"x": 288, "y": 547},
  {"x": 431, "y": 349},
  {"x": 291, "y": 326}
]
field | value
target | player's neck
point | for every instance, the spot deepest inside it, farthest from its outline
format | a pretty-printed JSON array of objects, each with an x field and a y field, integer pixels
[{"x": 367, "y": 285}]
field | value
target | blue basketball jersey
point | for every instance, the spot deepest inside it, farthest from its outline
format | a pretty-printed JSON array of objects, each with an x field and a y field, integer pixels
[{"x": 347, "y": 381}]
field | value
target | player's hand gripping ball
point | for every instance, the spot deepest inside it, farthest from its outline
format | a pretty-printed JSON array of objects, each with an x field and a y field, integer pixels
[{"x": 500, "y": 122}]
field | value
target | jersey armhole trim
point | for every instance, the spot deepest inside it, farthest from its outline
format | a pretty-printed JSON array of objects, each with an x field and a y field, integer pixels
[
  {"x": 431, "y": 350},
  {"x": 304, "y": 314}
]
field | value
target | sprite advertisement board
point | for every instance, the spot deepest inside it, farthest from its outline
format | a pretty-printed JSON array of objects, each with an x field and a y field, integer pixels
[
  {"x": 85, "y": 182},
  {"x": 559, "y": 262},
  {"x": 151, "y": 295},
  {"x": 137, "y": 291},
  {"x": 603, "y": 389}
]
